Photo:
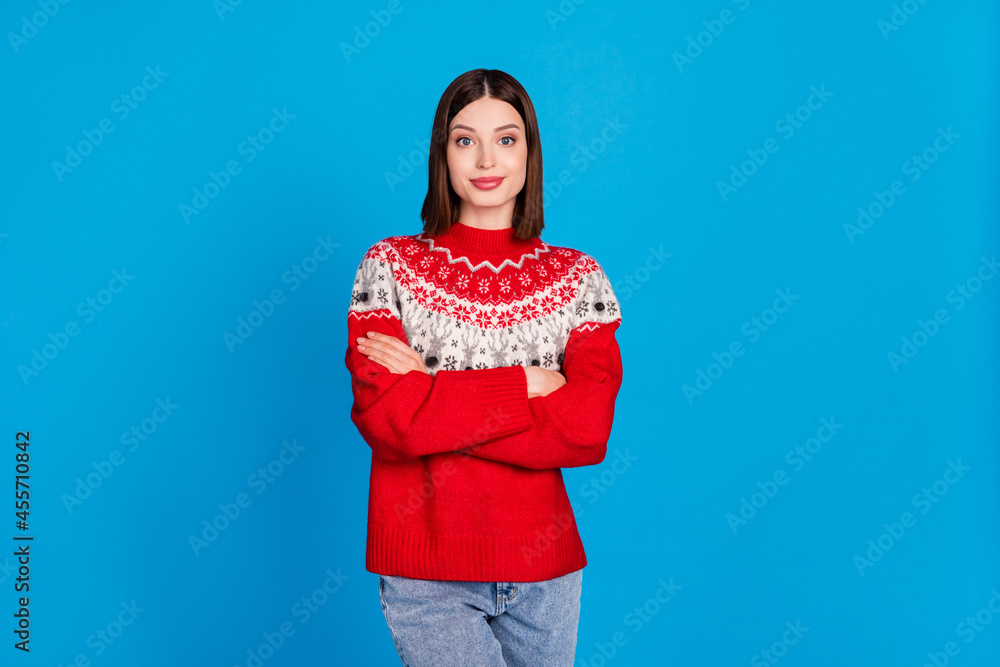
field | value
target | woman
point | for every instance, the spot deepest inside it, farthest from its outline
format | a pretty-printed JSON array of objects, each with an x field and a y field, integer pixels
[{"x": 482, "y": 361}]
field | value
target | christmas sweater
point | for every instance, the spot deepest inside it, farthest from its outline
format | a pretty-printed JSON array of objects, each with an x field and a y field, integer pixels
[{"x": 465, "y": 480}]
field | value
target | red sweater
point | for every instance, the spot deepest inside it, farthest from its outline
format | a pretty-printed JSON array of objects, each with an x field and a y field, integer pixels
[{"x": 465, "y": 477}]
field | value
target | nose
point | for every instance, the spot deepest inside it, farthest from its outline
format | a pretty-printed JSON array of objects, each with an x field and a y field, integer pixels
[{"x": 486, "y": 156}]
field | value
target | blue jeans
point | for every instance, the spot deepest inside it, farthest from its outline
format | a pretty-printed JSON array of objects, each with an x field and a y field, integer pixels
[{"x": 487, "y": 624}]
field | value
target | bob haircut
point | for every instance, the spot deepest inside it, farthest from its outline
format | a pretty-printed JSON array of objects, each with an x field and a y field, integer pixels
[{"x": 441, "y": 205}]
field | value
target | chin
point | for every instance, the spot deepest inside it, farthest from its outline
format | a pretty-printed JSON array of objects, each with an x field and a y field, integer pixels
[{"x": 489, "y": 197}]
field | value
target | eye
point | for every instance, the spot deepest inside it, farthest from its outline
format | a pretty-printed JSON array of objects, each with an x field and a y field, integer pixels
[
  {"x": 461, "y": 139},
  {"x": 512, "y": 141}
]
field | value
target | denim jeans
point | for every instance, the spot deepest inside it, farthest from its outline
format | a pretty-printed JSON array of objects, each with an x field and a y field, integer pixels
[{"x": 487, "y": 624}]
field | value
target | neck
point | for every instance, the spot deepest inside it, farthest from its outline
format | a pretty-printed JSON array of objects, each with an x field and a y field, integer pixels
[
  {"x": 475, "y": 240},
  {"x": 486, "y": 217}
]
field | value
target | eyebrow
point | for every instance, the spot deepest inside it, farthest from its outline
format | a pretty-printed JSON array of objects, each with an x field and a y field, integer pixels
[{"x": 503, "y": 127}]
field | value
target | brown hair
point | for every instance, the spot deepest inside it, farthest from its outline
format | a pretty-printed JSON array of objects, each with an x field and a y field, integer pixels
[{"x": 441, "y": 203}]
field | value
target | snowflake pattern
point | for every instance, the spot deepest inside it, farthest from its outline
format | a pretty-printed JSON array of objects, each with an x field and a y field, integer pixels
[{"x": 484, "y": 315}]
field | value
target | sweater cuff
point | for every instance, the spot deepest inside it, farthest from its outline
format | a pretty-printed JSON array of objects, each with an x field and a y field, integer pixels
[{"x": 502, "y": 394}]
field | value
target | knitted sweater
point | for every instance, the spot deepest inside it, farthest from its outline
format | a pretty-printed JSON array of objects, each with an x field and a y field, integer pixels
[{"x": 465, "y": 477}]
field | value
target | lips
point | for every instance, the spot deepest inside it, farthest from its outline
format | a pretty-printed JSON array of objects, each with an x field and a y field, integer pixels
[{"x": 486, "y": 182}]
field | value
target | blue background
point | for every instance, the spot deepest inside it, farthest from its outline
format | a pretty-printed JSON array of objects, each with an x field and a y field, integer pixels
[{"x": 683, "y": 127}]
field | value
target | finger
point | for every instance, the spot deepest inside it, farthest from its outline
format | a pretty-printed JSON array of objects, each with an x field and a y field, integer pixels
[
  {"x": 391, "y": 341},
  {"x": 390, "y": 358},
  {"x": 387, "y": 352},
  {"x": 389, "y": 363},
  {"x": 391, "y": 345}
]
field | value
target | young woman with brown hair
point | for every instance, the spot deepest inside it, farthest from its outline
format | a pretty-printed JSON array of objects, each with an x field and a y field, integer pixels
[{"x": 483, "y": 360}]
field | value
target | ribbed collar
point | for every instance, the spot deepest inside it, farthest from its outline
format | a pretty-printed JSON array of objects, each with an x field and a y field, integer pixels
[{"x": 466, "y": 239}]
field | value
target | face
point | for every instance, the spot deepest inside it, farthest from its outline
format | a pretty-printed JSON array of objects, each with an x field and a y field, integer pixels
[{"x": 486, "y": 140}]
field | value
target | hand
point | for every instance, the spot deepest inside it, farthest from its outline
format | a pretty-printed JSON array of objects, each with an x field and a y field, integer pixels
[
  {"x": 391, "y": 352},
  {"x": 542, "y": 382}
]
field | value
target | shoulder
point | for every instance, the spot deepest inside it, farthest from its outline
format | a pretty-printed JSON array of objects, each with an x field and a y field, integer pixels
[
  {"x": 391, "y": 248},
  {"x": 595, "y": 300},
  {"x": 580, "y": 266}
]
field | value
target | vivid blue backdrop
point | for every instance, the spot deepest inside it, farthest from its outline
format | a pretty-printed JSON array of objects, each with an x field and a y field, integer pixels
[{"x": 713, "y": 156}]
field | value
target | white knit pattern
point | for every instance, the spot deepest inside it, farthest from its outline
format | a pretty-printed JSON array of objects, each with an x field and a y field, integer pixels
[{"x": 458, "y": 334}]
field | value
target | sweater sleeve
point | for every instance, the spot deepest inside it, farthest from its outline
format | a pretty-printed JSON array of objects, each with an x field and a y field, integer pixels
[
  {"x": 570, "y": 426},
  {"x": 402, "y": 417}
]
